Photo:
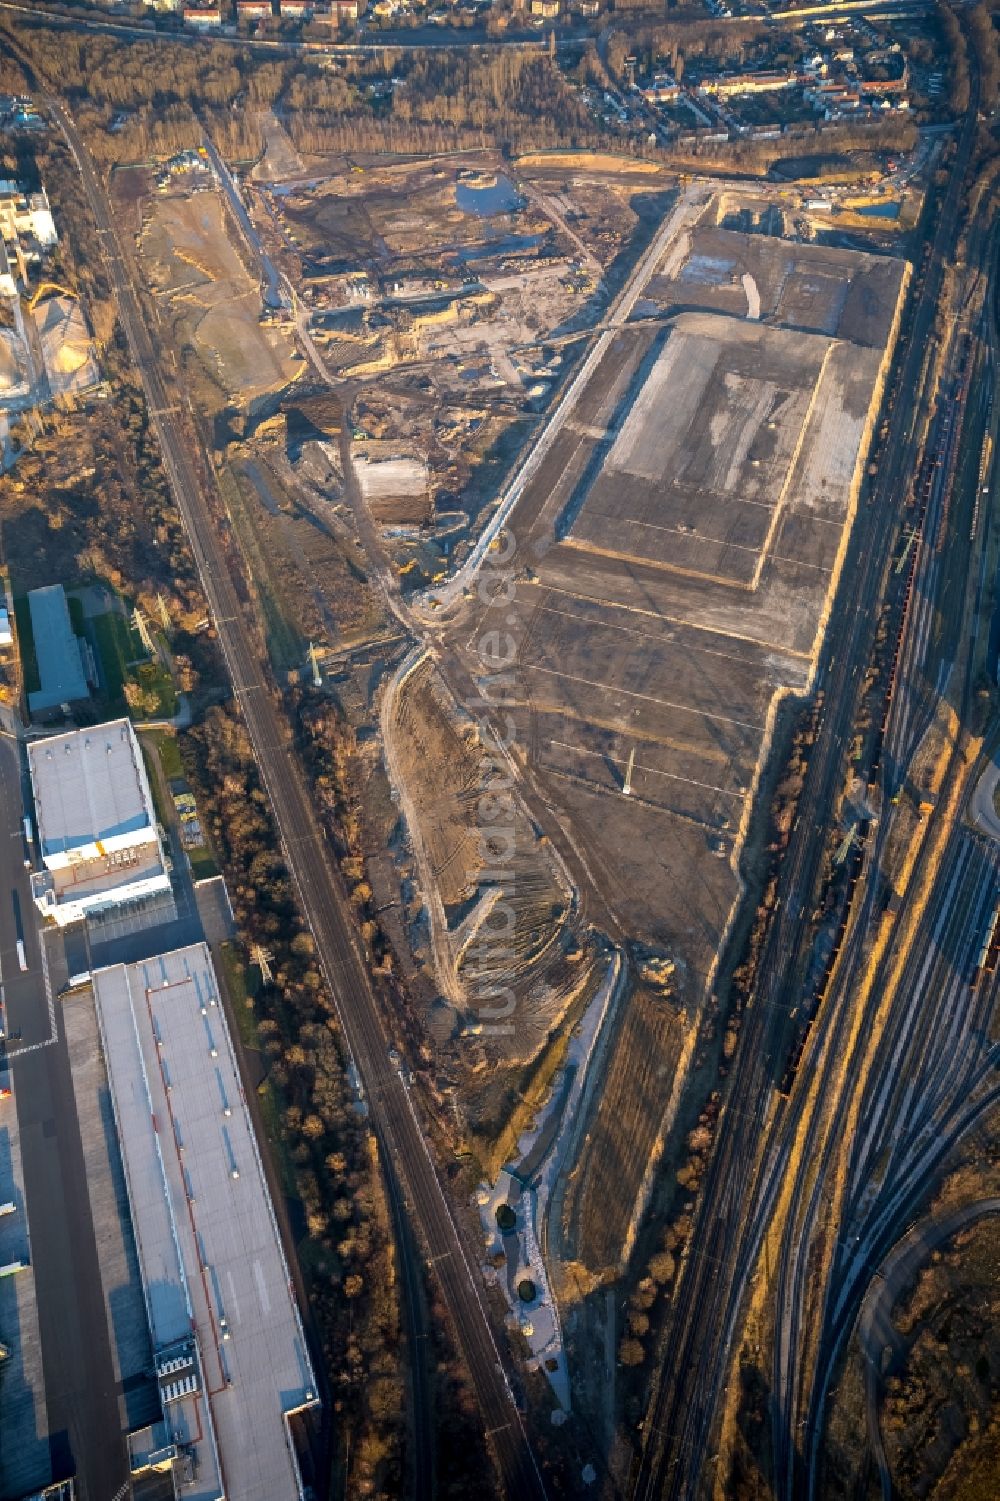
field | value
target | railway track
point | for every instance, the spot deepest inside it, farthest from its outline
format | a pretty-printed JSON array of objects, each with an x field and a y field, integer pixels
[
  {"x": 716, "y": 1274},
  {"x": 929, "y": 1044},
  {"x": 414, "y": 1186},
  {"x": 882, "y": 1151}
]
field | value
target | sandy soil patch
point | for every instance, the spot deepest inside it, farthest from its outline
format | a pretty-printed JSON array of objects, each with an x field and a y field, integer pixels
[
  {"x": 66, "y": 347},
  {"x": 192, "y": 263},
  {"x": 500, "y": 904}
]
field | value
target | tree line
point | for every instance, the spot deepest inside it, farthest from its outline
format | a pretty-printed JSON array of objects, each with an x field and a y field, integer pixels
[
  {"x": 347, "y": 1253},
  {"x": 508, "y": 98}
]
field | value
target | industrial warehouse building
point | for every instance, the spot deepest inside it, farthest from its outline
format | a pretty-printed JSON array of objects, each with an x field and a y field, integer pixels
[
  {"x": 231, "y": 1361},
  {"x": 61, "y": 654},
  {"x": 97, "y": 831}
]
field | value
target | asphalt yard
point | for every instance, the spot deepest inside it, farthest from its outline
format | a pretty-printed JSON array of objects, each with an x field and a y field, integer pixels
[
  {"x": 24, "y": 1448},
  {"x": 846, "y": 294}
]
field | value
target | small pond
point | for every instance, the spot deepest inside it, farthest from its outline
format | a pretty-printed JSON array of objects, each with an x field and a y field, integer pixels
[
  {"x": 878, "y": 210},
  {"x": 506, "y": 245},
  {"x": 499, "y": 197}
]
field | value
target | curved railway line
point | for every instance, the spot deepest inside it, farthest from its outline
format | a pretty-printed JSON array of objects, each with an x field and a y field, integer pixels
[{"x": 737, "y": 1194}]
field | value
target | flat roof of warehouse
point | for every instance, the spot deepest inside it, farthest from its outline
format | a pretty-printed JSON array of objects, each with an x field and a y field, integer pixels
[
  {"x": 207, "y": 1238},
  {"x": 57, "y": 650},
  {"x": 89, "y": 785}
]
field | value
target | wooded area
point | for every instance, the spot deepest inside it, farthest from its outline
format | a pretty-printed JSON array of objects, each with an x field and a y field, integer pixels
[{"x": 516, "y": 100}]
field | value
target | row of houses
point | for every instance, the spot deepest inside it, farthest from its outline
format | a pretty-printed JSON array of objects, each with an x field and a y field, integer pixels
[
  {"x": 835, "y": 98},
  {"x": 214, "y": 17},
  {"x": 844, "y": 90},
  {"x": 729, "y": 85},
  {"x": 549, "y": 10}
]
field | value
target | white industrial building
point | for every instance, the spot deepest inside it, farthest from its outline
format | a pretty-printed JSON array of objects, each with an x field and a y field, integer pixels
[
  {"x": 97, "y": 832},
  {"x": 229, "y": 1350},
  {"x": 26, "y": 216},
  {"x": 8, "y": 286}
]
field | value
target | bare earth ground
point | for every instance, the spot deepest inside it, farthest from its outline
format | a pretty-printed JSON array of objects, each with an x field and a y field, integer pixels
[
  {"x": 612, "y": 1163},
  {"x": 439, "y": 757},
  {"x": 280, "y": 160},
  {"x": 685, "y": 536},
  {"x": 679, "y": 550},
  {"x": 215, "y": 305},
  {"x": 442, "y": 316},
  {"x": 306, "y": 555}
]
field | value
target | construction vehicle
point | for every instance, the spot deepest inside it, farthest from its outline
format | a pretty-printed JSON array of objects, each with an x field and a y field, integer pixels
[{"x": 43, "y": 289}]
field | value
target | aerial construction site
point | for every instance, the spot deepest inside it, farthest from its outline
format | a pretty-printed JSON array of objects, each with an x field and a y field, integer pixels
[
  {"x": 500, "y": 750},
  {"x": 618, "y": 433},
  {"x": 556, "y": 470},
  {"x": 673, "y": 560}
]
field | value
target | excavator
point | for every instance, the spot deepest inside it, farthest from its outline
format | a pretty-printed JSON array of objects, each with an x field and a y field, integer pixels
[{"x": 43, "y": 289}]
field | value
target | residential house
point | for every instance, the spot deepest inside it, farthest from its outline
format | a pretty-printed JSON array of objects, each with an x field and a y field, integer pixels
[
  {"x": 338, "y": 12},
  {"x": 661, "y": 89},
  {"x": 747, "y": 83}
]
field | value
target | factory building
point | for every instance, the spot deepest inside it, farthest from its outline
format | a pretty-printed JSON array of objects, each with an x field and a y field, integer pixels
[
  {"x": 62, "y": 656},
  {"x": 8, "y": 285},
  {"x": 97, "y": 832},
  {"x": 232, "y": 1366},
  {"x": 27, "y": 227}
]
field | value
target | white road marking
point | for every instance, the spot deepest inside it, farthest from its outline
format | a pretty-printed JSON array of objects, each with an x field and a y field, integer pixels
[{"x": 36, "y": 1047}]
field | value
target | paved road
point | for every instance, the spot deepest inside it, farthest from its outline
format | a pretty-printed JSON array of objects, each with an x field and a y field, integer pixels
[
  {"x": 422, "y": 39},
  {"x": 81, "y": 1396},
  {"x": 313, "y": 870}
]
